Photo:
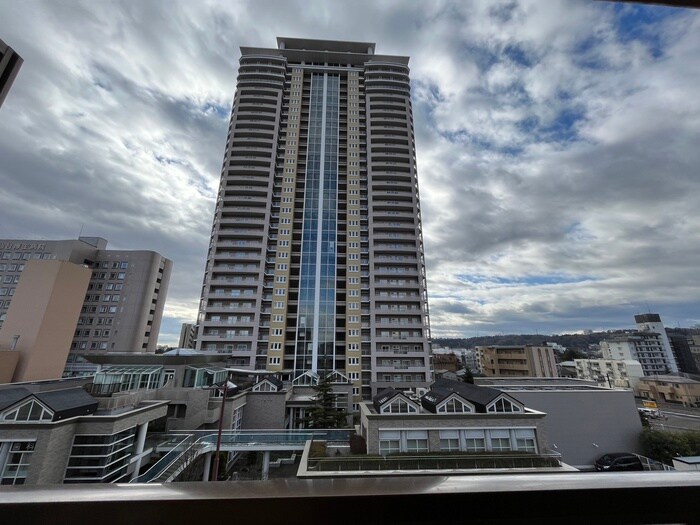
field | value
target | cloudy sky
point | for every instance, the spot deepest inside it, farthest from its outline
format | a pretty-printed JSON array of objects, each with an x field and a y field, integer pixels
[{"x": 558, "y": 144}]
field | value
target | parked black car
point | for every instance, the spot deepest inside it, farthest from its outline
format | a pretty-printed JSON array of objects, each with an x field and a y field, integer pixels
[{"x": 617, "y": 462}]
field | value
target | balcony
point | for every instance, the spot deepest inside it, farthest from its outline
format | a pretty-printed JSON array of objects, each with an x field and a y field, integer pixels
[{"x": 542, "y": 499}]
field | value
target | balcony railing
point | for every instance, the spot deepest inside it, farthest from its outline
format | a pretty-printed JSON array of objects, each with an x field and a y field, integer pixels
[{"x": 542, "y": 499}]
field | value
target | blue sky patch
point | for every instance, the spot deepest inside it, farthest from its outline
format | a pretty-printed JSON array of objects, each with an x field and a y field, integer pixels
[
  {"x": 637, "y": 22},
  {"x": 518, "y": 55},
  {"x": 530, "y": 280}
]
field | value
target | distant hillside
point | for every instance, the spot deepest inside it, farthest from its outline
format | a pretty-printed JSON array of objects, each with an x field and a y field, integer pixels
[{"x": 579, "y": 342}]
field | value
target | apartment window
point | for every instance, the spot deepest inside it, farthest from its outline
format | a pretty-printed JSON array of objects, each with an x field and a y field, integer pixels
[
  {"x": 449, "y": 440},
  {"x": 353, "y": 306},
  {"x": 275, "y": 346},
  {"x": 17, "y": 456},
  {"x": 281, "y": 279},
  {"x": 356, "y": 391},
  {"x": 353, "y": 347},
  {"x": 276, "y": 331},
  {"x": 354, "y": 376},
  {"x": 282, "y": 266},
  {"x": 280, "y": 291},
  {"x": 274, "y": 360},
  {"x": 525, "y": 440},
  {"x": 279, "y": 304},
  {"x": 353, "y": 361},
  {"x": 278, "y": 318},
  {"x": 389, "y": 442},
  {"x": 500, "y": 440},
  {"x": 354, "y": 319},
  {"x": 100, "y": 457},
  {"x": 474, "y": 441},
  {"x": 416, "y": 441}
]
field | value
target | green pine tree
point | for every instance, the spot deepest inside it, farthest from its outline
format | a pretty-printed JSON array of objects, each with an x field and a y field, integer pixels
[{"x": 324, "y": 414}]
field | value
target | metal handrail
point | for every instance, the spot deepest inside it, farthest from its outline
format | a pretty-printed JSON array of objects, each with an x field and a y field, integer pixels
[
  {"x": 161, "y": 465},
  {"x": 207, "y": 437}
]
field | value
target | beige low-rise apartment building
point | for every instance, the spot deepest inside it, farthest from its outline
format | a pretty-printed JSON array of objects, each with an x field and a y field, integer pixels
[
  {"x": 119, "y": 299},
  {"x": 670, "y": 388},
  {"x": 518, "y": 360}
]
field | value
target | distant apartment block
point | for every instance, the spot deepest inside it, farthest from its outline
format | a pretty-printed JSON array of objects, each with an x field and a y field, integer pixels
[
  {"x": 122, "y": 301},
  {"x": 188, "y": 336},
  {"x": 681, "y": 345},
  {"x": 524, "y": 361},
  {"x": 649, "y": 324},
  {"x": 10, "y": 62},
  {"x": 694, "y": 346},
  {"x": 611, "y": 373},
  {"x": 649, "y": 345}
]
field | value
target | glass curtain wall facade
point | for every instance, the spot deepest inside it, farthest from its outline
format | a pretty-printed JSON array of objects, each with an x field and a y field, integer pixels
[
  {"x": 315, "y": 262},
  {"x": 315, "y": 344}
]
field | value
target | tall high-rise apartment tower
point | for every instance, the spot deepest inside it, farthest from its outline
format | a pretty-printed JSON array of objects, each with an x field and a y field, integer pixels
[{"x": 316, "y": 261}]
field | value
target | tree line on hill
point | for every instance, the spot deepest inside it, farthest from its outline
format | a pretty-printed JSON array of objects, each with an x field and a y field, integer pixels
[{"x": 576, "y": 342}]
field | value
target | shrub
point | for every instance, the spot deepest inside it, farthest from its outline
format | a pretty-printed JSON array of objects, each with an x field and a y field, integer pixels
[{"x": 662, "y": 446}]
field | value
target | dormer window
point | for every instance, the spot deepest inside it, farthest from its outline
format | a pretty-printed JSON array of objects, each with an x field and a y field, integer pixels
[
  {"x": 454, "y": 406},
  {"x": 264, "y": 386},
  {"x": 503, "y": 405},
  {"x": 30, "y": 411},
  {"x": 399, "y": 406}
]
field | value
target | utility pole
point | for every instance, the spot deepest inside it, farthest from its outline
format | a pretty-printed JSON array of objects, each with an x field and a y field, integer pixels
[{"x": 215, "y": 473}]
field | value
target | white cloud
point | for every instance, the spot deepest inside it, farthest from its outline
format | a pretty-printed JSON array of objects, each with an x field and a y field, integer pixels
[{"x": 557, "y": 150}]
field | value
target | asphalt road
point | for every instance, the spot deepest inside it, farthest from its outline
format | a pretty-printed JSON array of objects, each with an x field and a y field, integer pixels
[{"x": 675, "y": 417}]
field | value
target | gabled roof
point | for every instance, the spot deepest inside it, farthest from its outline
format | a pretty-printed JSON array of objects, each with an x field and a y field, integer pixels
[
  {"x": 435, "y": 397},
  {"x": 274, "y": 380},
  {"x": 65, "y": 403},
  {"x": 383, "y": 397},
  {"x": 307, "y": 378},
  {"x": 10, "y": 396},
  {"x": 271, "y": 379},
  {"x": 479, "y": 396},
  {"x": 69, "y": 402}
]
